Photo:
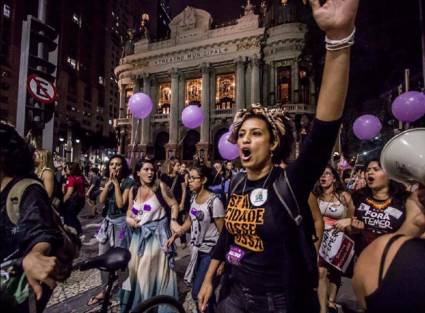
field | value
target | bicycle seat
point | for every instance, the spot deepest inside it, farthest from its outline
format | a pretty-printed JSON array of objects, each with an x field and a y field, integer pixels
[{"x": 114, "y": 259}]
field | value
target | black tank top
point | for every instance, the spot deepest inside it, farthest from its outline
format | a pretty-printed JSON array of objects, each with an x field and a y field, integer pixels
[{"x": 402, "y": 290}]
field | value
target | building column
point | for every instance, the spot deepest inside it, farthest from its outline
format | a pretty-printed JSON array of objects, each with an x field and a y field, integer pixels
[
  {"x": 295, "y": 82},
  {"x": 171, "y": 147},
  {"x": 273, "y": 90},
  {"x": 134, "y": 121},
  {"x": 240, "y": 84},
  {"x": 255, "y": 80},
  {"x": 205, "y": 103},
  {"x": 312, "y": 91},
  {"x": 146, "y": 122},
  {"x": 123, "y": 109},
  {"x": 155, "y": 98}
]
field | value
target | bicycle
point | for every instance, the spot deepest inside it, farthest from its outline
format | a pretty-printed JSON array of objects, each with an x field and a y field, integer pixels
[{"x": 116, "y": 259}]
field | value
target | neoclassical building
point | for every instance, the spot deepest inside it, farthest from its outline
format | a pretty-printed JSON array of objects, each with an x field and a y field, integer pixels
[{"x": 254, "y": 59}]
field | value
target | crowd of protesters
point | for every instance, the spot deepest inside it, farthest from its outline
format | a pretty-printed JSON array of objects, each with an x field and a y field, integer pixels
[{"x": 265, "y": 232}]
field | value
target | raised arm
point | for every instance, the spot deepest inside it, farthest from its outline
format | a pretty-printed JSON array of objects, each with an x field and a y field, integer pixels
[{"x": 336, "y": 18}]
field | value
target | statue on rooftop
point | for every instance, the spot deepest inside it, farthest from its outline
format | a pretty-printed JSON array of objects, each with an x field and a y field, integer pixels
[
  {"x": 143, "y": 30},
  {"x": 128, "y": 46},
  {"x": 249, "y": 8}
]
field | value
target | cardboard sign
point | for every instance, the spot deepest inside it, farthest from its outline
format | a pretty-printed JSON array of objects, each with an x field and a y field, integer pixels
[{"x": 337, "y": 249}]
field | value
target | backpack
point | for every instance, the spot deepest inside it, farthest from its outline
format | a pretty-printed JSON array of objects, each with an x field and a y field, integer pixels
[
  {"x": 305, "y": 276},
  {"x": 70, "y": 248}
]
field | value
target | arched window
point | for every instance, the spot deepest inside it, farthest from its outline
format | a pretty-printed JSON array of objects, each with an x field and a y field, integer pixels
[{"x": 225, "y": 95}]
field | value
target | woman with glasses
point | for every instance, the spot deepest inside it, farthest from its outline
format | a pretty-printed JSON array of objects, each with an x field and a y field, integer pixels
[
  {"x": 205, "y": 221},
  {"x": 337, "y": 208}
]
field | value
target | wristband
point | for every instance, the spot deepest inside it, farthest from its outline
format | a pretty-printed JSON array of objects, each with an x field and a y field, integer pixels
[{"x": 334, "y": 45}]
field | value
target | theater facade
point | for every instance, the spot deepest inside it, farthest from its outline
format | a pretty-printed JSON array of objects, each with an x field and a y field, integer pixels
[{"x": 254, "y": 59}]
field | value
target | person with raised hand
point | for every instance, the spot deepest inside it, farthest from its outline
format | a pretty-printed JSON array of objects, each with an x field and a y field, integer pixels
[{"x": 270, "y": 261}]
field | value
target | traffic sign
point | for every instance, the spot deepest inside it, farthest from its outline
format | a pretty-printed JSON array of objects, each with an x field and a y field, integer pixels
[{"x": 41, "y": 89}]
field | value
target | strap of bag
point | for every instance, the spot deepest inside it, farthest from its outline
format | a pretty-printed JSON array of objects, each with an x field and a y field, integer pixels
[
  {"x": 174, "y": 183},
  {"x": 14, "y": 197},
  {"x": 210, "y": 206},
  {"x": 235, "y": 182},
  {"x": 293, "y": 207}
]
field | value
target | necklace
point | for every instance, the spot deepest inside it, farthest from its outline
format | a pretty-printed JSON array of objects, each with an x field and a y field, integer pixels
[
  {"x": 264, "y": 184},
  {"x": 379, "y": 204}
]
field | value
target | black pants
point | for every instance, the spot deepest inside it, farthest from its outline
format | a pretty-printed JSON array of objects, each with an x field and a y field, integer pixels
[
  {"x": 242, "y": 300},
  {"x": 71, "y": 208}
]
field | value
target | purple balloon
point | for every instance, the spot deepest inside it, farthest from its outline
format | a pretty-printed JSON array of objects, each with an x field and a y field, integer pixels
[
  {"x": 409, "y": 106},
  {"x": 366, "y": 127},
  {"x": 192, "y": 116},
  {"x": 140, "y": 105},
  {"x": 227, "y": 150}
]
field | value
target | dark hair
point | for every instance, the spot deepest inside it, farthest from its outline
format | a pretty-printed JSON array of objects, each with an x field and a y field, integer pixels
[
  {"x": 284, "y": 150},
  {"x": 16, "y": 158},
  {"x": 339, "y": 186},
  {"x": 125, "y": 170},
  {"x": 95, "y": 170},
  {"x": 204, "y": 172},
  {"x": 396, "y": 190},
  {"x": 138, "y": 167},
  {"x": 74, "y": 169}
]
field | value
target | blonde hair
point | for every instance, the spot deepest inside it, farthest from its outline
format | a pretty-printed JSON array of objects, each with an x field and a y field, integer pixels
[
  {"x": 46, "y": 161},
  {"x": 171, "y": 164}
]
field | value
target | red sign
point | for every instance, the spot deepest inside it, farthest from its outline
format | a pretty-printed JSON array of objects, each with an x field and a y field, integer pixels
[{"x": 41, "y": 89}]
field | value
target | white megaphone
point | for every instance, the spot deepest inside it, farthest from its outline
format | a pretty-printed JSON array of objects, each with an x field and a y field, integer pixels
[{"x": 403, "y": 157}]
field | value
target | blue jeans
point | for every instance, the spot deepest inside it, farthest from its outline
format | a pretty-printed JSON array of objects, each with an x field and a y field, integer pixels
[
  {"x": 204, "y": 260},
  {"x": 242, "y": 300}
]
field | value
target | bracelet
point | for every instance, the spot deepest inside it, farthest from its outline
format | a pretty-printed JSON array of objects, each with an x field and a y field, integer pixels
[{"x": 334, "y": 45}]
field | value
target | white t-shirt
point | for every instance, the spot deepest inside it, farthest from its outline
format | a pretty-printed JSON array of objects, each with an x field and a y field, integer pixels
[
  {"x": 204, "y": 233},
  {"x": 148, "y": 211}
]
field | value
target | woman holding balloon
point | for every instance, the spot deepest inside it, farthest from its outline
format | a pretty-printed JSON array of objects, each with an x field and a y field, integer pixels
[{"x": 269, "y": 266}]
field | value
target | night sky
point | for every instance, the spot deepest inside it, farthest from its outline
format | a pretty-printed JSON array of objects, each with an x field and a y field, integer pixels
[{"x": 388, "y": 41}]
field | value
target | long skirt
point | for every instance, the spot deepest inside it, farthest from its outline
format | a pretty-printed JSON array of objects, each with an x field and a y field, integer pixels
[{"x": 150, "y": 273}]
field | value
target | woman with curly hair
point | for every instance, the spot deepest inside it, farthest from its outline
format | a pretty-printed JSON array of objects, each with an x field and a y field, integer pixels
[
  {"x": 382, "y": 207},
  {"x": 269, "y": 263}
]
